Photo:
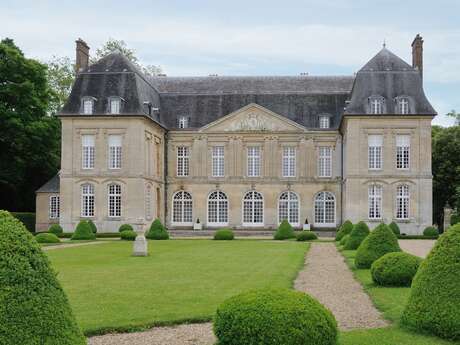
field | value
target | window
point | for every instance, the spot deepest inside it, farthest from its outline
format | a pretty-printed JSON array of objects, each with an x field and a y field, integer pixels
[
  {"x": 288, "y": 208},
  {"x": 183, "y": 122},
  {"x": 289, "y": 158},
  {"x": 376, "y": 105},
  {"x": 324, "y": 122},
  {"x": 182, "y": 208},
  {"x": 325, "y": 209},
  {"x": 324, "y": 161},
  {"x": 114, "y": 151},
  {"x": 218, "y": 161},
  {"x": 87, "y": 143},
  {"x": 253, "y": 161},
  {"x": 114, "y": 105},
  {"x": 375, "y": 201},
  {"x": 87, "y": 200},
  {"x": 375, "y": 143},
  {"x": 402, "y": 151},
  {"x": 182, "y": 161},
  {"x": 54, "y": 207},
  {"x": 253, "y": 209},
  {"x": 403, "y": 105},
  {"x": 402, "y": 202},
  {"x": 88, "y": 105},
  {"x": 217, "y": 209},
  {"x": 114, "y": 198}
]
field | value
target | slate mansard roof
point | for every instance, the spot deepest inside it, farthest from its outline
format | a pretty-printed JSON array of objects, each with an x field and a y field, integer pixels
[
  {"x": 205, "y": 99},
  {"x": 52, "y": 186}
]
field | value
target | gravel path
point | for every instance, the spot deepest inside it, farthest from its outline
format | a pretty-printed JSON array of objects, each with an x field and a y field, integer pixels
[
  {"x": 69, "y": 245},
  {"x": 417, "y": 247},
  {"x": 327, "y": 277}
]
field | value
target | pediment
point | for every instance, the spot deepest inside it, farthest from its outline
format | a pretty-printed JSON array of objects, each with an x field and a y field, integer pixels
[{"x": 253, "y": 118}]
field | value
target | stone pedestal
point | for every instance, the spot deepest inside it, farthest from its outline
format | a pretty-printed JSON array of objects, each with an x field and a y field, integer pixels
[
  {"x": 140, "y": 246},
  {"x": 306, "y": 227},
  {"x": 447, "y": 216},
  {"x": 197, "y": 226}
]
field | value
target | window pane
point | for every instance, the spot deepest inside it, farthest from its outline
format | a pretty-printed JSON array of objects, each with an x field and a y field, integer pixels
[
  {"x": 88, "y": 151},
  {"x": 115, "y": 151},
  {"x": 324, "y": 161},
  {"x": 182, "y": 161},
  {"x": 253, "y": 161},
  {"x": 289, "y": 161},
  {"x": 218, "y": 161}
]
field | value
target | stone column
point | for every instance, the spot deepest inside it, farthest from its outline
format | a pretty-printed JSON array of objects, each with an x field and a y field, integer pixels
[
  {"x": 140, "y": 247},
  {"x": 447, "y": 216}
]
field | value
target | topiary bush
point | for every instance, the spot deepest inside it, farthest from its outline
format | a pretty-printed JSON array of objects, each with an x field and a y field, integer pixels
[
  {"x": 455, "y": 219},
  {"x": 285, "y": 231},
  {"x": 379, "y": 242},
  {"x": 434, "y": 302},
  {"x": 157, "y": 231},
  {"x": 345, "y": 229},
  {"x": 224, "y": 235},
  {"x": 5, "y": 214},
  {"x": 92, "y": 226},
  {"x": 55, "y": 229},
  {"x": 124, "y": 227},
  {"x": 46, "y": 237},
  {"x": 274, "y": 317},
  {"x": 395, "y": 269},
  {"x": 431, "y": 231},
  {"x": 83, "y": 232},
  {"x": 33, "y": 307},
  {"x": 344, "y": 240},
  {"x": 395, "y": 228},
  {"x": 128, "y": 235},
  {"x": 306, "y": 236},
  {"x": 358, "y": 234}
]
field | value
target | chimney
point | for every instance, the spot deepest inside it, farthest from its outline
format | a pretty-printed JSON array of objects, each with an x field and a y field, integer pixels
[
  {"x": 417, "y": 54},
  {"x": 82, "y": 57}
]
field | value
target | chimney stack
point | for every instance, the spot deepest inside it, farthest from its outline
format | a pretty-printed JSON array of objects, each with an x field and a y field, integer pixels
[
  {"x": 417, "y": 54},
  {"x": 82, "y": 57}
]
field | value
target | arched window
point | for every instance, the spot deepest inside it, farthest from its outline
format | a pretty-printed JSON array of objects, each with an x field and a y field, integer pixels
[
  {"x": 182, "y": 208},
  {"x": 217, "y": 208},
  {"x": 375, "y": 201},
  {"x": 114, "y": 105},
  {"x": 114, "y": 199},
  {"x": 288, "y": 208},
  {"x": 253, "y": 209},
  {"x": 87, "y": 105},
  {"x": 403, "y": 105},
  {"x": 325, "y": 209},
  {"x": 402, "y": 201},
  {"x": 376, "y": 105},
  {"x": 87, "y": 200}
]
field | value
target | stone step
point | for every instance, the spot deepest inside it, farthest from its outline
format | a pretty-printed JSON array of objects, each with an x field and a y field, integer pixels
[{"x": 239, "y": 233}]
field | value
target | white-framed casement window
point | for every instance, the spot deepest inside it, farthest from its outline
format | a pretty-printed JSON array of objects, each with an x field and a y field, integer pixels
[
  {"x": 87, "y": 106},
  {"x": 375, "y": 201},
  {"x": 87, "y": 200},
  {"x": 115, "y": 149},
  {"x": 114, "y": 200},
  {"x": 218, "y": 161},
  {"x": 324, "y": 122},
  {"x": 374, "y": 151},
  {"x": 376, "y": 105},
  {"x": 88, "y": 151},
  {"x": 289, "y": 161},
  {"x": 114, "y": 105},
  {"x": 54, "y": 207},
  {"x": 403, "y": 105},
  {"x": 288, "y": 208},
  {"x": 183, "y": 122},
  {"x": 253, "y": 161},
  {"x": 217, "y": 209},
  {"x": 183, "y": 157},
  {"x": 324, "y": 161},
  {"x": 402, "y": 202},
  {"x": 403, "y": 152},
  {"x": 182, "y": 208},
  {"x": 325, "y": 209},
  {"x": 253, "y": 209}
]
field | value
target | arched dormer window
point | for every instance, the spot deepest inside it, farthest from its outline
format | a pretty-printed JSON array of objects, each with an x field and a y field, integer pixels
[
  {"x": 87, "y": 105},
  {"x": 376, "y": 105},
  {"x": 402, "y": 105},
  {"x": 114, "y": 105},
  {"x": 183, "y": 122}
]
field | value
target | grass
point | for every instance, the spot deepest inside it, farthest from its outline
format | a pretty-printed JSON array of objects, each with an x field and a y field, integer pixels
[{"x": 181, "y": 280}]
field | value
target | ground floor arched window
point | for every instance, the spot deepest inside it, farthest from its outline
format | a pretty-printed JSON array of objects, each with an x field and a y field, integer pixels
[
  {"x": 182, "y": 208},
  {"x": 87, "y": 200},
  {"x": 402, "y": 201},
  {"x": 288, "y": 208},
  {"x": 325, "y": 209},
  {"x": 217, "y": 209},
  {"x": 253, "y": 209}
]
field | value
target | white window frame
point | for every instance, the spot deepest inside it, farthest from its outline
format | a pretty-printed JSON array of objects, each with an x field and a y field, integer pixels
[
  {"x": 250, "y": 203},
  {"x": 253, "y": 161},
  {"x": 87, "y": 106},
  {"x": 403, "y": 152},
  {"x": 217, "y": 209},
  {"x": 218, "y": 161},
  {"x": 115, "y": 144},
  {"x": 324, "y": 122},
  {"x": 114, "y": 206},
  {"x": 376, "y": 105},
  {"x": 88, "y": 203},
  {"x": 324, "y": 161},
  {"x": 184, "y": 201},
  {"x": 402, "y": 202},
  {"x": 289, "y": 161},
  {"x": 183, "y": 122},
  {"x": 54, "y": 207},
  {"x": 183, "y": 161},
  {"x": 403, "y": 105},
  {"x": 375, "y": 152},
  {"x": 88, "y": 151},
  {"x": 114, "y": 105},
  {"x": 322, "y": 205},
  {"x": 289, "y": 204},
  {"x": 375, "y": 202}
]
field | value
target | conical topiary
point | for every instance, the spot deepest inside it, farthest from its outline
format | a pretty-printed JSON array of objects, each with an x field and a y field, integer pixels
[
  {"x": 83, "y": 232},
  {"x": 358, "y": 234},
  {"x": 92, "y": 226},
  {"x": 395, "y": 228},
  {"x": 157, "y": 231},
  {"x": 55, "y": 229},
  {"x": 344, "y": 240},
  {"x": 285, "y": 231},
  {"x": 33, "y": 307},
  {"x": 434, "y": 302},
  {"x": 379, "y": 242},
  {"x": 345, "y": 229}
]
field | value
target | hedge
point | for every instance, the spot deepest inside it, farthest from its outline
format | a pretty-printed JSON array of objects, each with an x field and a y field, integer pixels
[
  {"x": 56, "y": 229},
  {"x": 358, "y": 234},
  {"x": 395, "y": 228},
  {"x": 285, "y": 231},
  {"x": 128, "y": 235},
  {"x": 27, "y": 218},
  {"x": 224, "y": 235},
  {"x": 124, "y": 227},
  {"x": 431, "y": 231},
  {"x": 157, "y": 231},
  {"x": 345, "y": 229},
  {"x": 46, "y": 237},
  {"x": 83, "y": 232},
  {"x": 395, "y": 269},
  {"x": 454, "y": 219},
  {"x": 306, "y": 236}
]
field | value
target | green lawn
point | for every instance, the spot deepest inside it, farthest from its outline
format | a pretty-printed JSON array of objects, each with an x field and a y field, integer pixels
[{"x": 181, "y": 280}]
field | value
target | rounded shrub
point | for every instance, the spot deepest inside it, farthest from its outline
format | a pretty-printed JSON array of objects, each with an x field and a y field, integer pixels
[
  {"x": 285, "y": 231},
  {"x": 33, "y": 307},
  {"x": 5, "y": 214},
  {"x": 378, "y": 243},
  {"x": 431, "y": 231},
  {"x": 395, "y": 228},
  {"x": 92, "y": 226},
  {"x": 358, "y": 234},
  {"x": 128, "y": 235},
  {"x": 46, "y": 237},
  {"x": 395, "y": 269},
  {"x": 455, "y": 219},
  {"x": 273, "y": 317},
  {"x": 55, "y": 229},
  {"x": 434, "y": 302},
  {"x": 345, "y": 229},
  {"x": 344, "y": 240},
  {"x": 224, "y": 235},
  {"x": 124, "y": 227},
  {"x": 306, "y": 236},
  {"x": 83, "y": 232},
  {"x": 157, "y": 231}
]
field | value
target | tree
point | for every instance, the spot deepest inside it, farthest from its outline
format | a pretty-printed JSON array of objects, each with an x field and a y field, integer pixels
[
  {"x": 454, "y": 115},
  {"x": 61, "y": 75}
]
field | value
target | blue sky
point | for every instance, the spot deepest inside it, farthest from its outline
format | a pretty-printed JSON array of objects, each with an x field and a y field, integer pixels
[{"x": 320, "y": 37}]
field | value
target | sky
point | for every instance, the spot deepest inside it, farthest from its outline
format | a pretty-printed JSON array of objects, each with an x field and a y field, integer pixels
[{"x": 251, "y": 37}]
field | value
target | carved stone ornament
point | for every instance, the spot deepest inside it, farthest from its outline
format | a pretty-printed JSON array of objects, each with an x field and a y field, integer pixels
[{"x": 252, "y": 122}]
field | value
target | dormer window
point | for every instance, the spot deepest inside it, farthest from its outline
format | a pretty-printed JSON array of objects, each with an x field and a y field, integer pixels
[
  {"x": 87, "y": 105},
  {"x": 183, "y": 122},
  {"x": 376, "y": 105},
  {"x": 114, "y": 105},
  {"x": 324, "y": 121},
  {"x": 403, "y": 105}
]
